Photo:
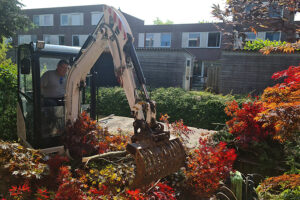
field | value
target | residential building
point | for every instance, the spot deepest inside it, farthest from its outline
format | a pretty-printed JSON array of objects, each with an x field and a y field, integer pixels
[
  {"x": 67, "y": 25},
  {"x": 204, "y": 41}
]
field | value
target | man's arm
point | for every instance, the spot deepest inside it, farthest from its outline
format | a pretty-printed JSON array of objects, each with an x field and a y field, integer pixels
[{"x": 44, "y": 82}]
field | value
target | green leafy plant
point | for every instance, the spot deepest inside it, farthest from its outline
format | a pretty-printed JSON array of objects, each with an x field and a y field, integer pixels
[
  {"x": 239, "y": 187},
  {"x": 286, "y": 186},
  {"x": 258, "y": 44},
  {"x": 8, "y": 95}
]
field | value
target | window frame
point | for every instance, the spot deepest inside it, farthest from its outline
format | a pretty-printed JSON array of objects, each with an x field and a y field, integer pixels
[
  {"x": 61, "y": 36},
  {"x": 80, "y": 37},
  {"x": 151, "y": 40},
  {"x": 246, "y": 39},
  {"x": 55, "y": 35},
  {"x": 275, "y": 17},
  {"x": 220, "y": 37},
  {"x": 70, "y": 19},
  {"x": 161, "y": 34},
  {"x": 73, "y": 40},
  {"x": 273, "y": 33},
  {"x": 31, "y": 38},
  {"x": 188, "y": 42},
  {"x": 42, "y": 18},
  {"x": 96, "y": 12}
]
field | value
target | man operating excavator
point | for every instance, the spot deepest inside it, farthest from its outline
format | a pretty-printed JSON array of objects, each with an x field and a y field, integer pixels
[{"x": 53, "y": 84}]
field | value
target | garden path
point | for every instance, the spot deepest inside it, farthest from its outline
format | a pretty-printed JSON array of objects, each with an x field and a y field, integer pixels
[{"x": 115, "y": 123}]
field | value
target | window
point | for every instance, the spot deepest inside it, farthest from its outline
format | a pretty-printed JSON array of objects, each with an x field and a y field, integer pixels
[
  {"x": 149, "y": 40},
  {"x": 78, "y": 40},
  {"x": 275, "y": 11},
  {"x": 194, "y": 40},
  {"x": 250, "y": 36},
  {"x": 47, "y": 39},
  {"x": 64, "y": 20},
  {"x": 297, "y": 36},
  {"x": 214, "y": 39},
  {"x": 54, "y": 39},
  {"x": 165, "y": 39},
  {"x": 26, "y": 39},
  {"x": 273, "y": 36},
  {"x": 188, "y": 63},
  {"x": 249, "y": 8},
  {"x": 75, "y": 20},
  {"x": 36, "y": 20},
  {"x": 75, "y": 40},
  {"x": 43, "y": 20},
  {"x": 61, "y": 40},
  {"x": 141, "y": 41},
  {"x": 95, "y": 17},
  {"x": 71, "y": 19}
]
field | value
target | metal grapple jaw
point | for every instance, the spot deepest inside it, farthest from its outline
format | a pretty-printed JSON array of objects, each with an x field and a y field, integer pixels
[{"x": 156, "y": 156}]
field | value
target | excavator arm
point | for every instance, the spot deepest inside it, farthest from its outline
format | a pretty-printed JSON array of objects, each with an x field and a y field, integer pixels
[{"x": 152, "y": 147}]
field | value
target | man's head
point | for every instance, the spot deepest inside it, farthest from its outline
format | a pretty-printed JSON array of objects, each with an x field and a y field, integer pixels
[{"x": 62, "y": 67}]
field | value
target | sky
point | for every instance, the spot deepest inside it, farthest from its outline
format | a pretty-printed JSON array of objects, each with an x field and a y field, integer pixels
[{"x": 180, "y": 12}]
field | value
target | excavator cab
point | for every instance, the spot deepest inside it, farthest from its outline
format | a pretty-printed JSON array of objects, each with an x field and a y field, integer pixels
[
  {"x": 156, "y": 153},
  {"x": 41, "y": 125}
]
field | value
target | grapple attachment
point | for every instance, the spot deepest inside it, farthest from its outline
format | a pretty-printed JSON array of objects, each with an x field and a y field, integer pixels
[{"x": 156, "y": 156}]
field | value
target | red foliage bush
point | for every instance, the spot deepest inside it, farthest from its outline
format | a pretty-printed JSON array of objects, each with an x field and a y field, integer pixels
[
  {"x": 42, "y": 194},
  {"x": 160, "y": 192},
  {"x": 81, "y": 136},
  {"x": 69, "y": 187},
  {"x": 291, "y": 75},
  {"x": 208, "y": 165},
  {"x": 282, "y": 105},
  {"x": 243, "y": 124},
  {"x": 55, "y": 163},
  {"x": 20, "y": 192}
]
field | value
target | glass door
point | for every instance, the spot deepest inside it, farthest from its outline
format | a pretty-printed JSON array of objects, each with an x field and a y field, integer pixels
[{"x": 25, "y": 91}]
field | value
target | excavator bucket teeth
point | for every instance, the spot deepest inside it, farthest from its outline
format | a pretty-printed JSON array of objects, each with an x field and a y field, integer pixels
[{"x": 156, "y": 161}]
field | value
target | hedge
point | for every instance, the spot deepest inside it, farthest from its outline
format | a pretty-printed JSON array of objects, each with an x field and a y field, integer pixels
[
  {"x": 197, "y": 109},
  {"x": 8, "y": 95}
]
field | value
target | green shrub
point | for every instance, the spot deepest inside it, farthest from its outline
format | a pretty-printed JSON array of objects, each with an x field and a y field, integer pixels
[
  {"x": 198, "y": 109},
  {"x": 258, "y": 44},
  {"x": 112, "y": 101},
  {"x": 8, "y": 95}
]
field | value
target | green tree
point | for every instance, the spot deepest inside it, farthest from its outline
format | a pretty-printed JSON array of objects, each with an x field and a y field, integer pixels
[
  {"x": 251, "y": 15},
  {"x": 12, "y": 19},
  {"x": 158, "y": 21},
  {"x": 8, "y": 95}
]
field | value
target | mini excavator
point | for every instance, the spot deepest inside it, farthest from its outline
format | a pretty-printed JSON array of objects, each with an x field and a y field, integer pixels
[{"x": 156, "y": 153}]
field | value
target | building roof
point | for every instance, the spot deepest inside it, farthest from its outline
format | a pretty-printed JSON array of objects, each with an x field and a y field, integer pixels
[{"x": 62, "y": 7}]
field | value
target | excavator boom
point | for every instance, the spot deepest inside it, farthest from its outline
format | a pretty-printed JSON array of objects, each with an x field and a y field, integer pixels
[{"x": 153, "y": 149}]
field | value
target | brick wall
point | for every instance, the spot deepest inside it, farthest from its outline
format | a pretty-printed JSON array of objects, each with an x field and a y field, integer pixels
[{"x": 243, "y": 72}]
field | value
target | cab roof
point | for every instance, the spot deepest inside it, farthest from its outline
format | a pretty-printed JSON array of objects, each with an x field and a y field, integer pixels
[{"x": 51, "y": 49}]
